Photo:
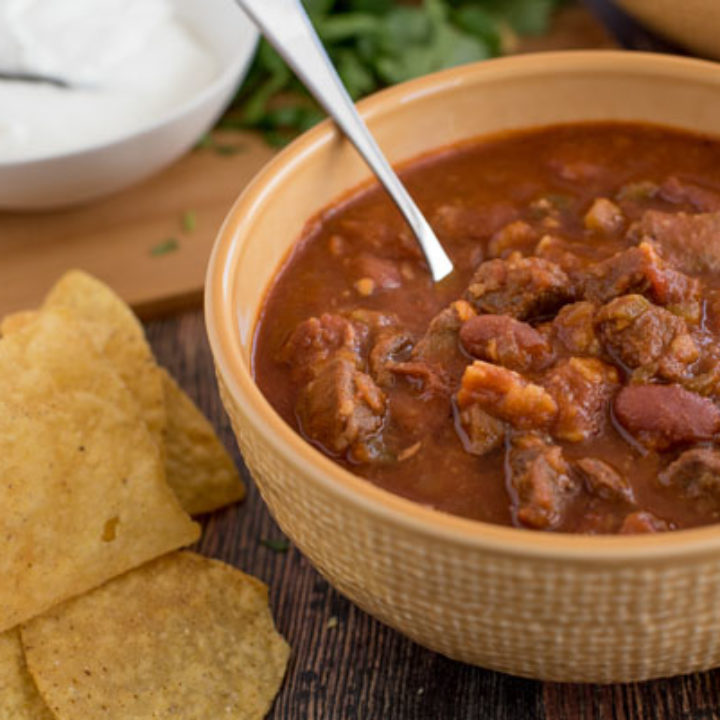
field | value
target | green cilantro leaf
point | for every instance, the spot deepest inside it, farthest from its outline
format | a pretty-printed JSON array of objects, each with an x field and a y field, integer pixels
[
  {"x": 166, "y": 246},
  {"x": 374, "y": 43}
]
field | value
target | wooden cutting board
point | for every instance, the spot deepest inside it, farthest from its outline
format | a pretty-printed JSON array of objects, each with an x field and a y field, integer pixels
[
  {"x": 120, "y": 239},
  {"x": 128, "y": 239}
]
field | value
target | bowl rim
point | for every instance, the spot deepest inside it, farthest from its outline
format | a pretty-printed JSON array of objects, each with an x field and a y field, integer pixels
[
  {"x": 229, "y": 73},
  {"x": 236, "y": 374}
]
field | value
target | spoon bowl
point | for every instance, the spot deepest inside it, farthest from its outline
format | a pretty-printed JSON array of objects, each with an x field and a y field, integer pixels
[{"x": 34, "y": 78}]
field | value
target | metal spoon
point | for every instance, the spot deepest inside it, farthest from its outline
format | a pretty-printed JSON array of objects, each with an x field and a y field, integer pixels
[
  {"x": 288, "y": 29},
  {"x": 28, "y": 77}
]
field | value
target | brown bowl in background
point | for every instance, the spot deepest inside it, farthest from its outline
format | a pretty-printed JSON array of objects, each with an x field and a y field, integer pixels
[{"x": 694, "y": 24}]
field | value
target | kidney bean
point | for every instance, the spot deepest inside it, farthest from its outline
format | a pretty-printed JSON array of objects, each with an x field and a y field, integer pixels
[{"x": 660, "y": 416}]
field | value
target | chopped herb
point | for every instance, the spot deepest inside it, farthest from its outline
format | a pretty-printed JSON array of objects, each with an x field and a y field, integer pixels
[
  {"x": 208, "y": 142},
  {"x": 561, "y": 202},
  {"x": 165, "y": 247},
  {"x": 374, "y": 43},
  {"x": 276, "y": 545},
  {"x": 189, "y": 221},
  {"x": 228, "y": 149},
  {"x": 637, "y": 191}
]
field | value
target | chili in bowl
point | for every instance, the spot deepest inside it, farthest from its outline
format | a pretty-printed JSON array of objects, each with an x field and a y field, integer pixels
[
  {"x": 528, "y": 429},
  {"x": 566, "y": 376}
]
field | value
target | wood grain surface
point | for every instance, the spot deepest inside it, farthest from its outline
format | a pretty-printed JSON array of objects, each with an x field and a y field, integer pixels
[
  {"x": 116, "y": 239},
  {"x": 347, "y": 666}
]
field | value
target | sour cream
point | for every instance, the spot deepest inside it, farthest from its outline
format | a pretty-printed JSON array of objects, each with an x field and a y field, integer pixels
[{"x": 131, "y": 62}]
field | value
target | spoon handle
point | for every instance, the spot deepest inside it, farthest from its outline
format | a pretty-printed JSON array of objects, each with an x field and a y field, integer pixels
[{"x": 286, "y": 26}]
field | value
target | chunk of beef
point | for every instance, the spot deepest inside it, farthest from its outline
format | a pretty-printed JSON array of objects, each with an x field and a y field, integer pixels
[
  {"x": 435, "y": 358},
  {"x": 582, "y": 389},
  {"x": 690, "y": 242},
  {"x": 573, "y": 329},
  {"x": 517, "y": 286},
  {"x": 642, "y": 521},
  {"x": 507, "y": 395},
  {"x": 391, "y": 346},
  {"x": 540, "y": 482},
  {"x": 503, "y": 340},
  {"x": 387, "y": 340},
  {"x": 479, "y": 432},
  {"x": 318, "y": 339},
  {"x": 440, "y": 342},
  {"x": 603, "y": 481},
  {"x": 643, "y": 335},
  {"x": 392, "y": 355},
  {"x": 561, "y": 252},
  {"x": 680, "y": 192},
  {"x": 604, "y": 217},
  {"x": 707, "y": 381},
  {"x": 342, "y": 409},
  {"x": 430, "y": 379},
  {"x": 431, "y": 363},
  {"x": 517, "y": 235},
  {"x": 696, "y": 473},
  {"x": 640, "y": 270},
  {"x": 660, "y": 416}
]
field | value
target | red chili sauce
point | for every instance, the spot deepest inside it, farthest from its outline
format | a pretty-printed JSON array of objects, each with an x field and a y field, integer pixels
[{"x": 566, "y": 376}]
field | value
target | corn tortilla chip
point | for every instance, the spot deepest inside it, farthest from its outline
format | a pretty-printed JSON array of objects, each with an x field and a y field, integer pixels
[
  {"x": 11, "y": 323},
  {"x": 199, "y": 469},
  {"x": 19, "y": 698},
  {"x": 116, "y": 334},
  {"x": 182, "y": 637},
  {"x": 82, "y": 487}
]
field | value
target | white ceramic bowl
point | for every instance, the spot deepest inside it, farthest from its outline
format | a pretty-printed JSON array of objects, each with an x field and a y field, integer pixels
[{"x": 100, "y": 169}]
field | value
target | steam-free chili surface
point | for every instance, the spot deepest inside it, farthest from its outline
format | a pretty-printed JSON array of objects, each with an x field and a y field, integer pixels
[{"x": 566, "y": 377}]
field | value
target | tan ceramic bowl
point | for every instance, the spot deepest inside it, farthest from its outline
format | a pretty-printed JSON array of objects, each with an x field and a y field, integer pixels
[
  {"x": 694, "y": 24},
  {"x": 543, "y": 605}
]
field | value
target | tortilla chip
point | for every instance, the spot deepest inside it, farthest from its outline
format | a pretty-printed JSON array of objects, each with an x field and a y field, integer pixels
[
  {"x": 19, "y": 698},
  {"x": 11, "y": 323},
  {"x": 82, "y": 486},
  {"x": 118, "y": 335},
  {"x": 199, "y": 469},
  {"x": 182, "y": 636}
]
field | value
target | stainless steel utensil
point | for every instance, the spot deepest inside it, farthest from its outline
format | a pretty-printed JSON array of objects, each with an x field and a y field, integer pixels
[{"x": 286, "y": 26}]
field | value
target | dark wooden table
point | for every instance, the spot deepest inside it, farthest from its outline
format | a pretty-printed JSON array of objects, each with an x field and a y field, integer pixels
[{"x": 347, "y": 666}]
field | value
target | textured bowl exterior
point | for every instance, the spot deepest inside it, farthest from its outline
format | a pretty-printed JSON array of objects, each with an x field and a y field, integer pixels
[
  {"x": 694, "y": 24},
  {"x": 542, "y": 605}
]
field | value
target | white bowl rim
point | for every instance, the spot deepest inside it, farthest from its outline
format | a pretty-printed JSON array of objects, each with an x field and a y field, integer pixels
[
  {"x": 598, "y": 550},
  {"x": 241, "y": 60}
]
